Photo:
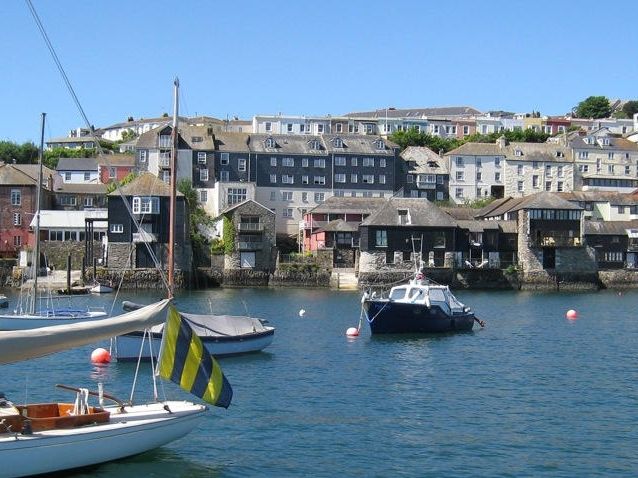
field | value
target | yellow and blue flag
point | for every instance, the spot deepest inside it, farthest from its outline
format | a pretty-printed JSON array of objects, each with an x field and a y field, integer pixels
[{"x": 184, "y": 360}]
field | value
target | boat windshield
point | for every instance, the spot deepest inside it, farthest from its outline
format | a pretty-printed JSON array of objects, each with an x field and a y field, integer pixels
[
  {"x": 398, "y": 293},
  {"x": 437, "y": 295},
  {"x": 454, "y": 302}
]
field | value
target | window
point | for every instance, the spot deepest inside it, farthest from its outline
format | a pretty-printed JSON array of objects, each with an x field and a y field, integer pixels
[
  {"x": 353, "y": 162},
  {"x": 353, "y": 194},
  {"x": 354, "y": 178},
  {"x": 381, "y": 238},
  {"x": 583, "y": 154},
  {"x": 224, "y": 176},
  {"x": 459, "y": 161},
  {"x": 67, "y": 177},
  {"x": 273, "y": 178},
  {"x": 439, "y": 239},
  {"x": 439, "y": 178},
  {"x": 559, "y": 187},
  {"x": 236, "y": 195},
  {"x": 548, "y": 171},
  {"x": 610, "y": 168},
  {"x": 287, "y": 179},
  {"x": 287, "y": 162},
  {"x": 117, "y": 228},
  {"x": 165, "y": 141},
  {"x": 145, "y": 205},
  {"x": 201, "y": 157},
  {"x": 382, "y": 163},
  {"x": 497, "y": 162},
  {"x": 319, "y": 197},
  {"x": 439, "y": 196},
  {"x": 304, "y": 197},
  {"x": 583, "y": 168},
  {"x": 340, "y": 178},
  {"x": 287, "y": 212},
  {"x": 270, "y": 143},
  {"x": 548, "y": 185},
  {"x": 368, "y": 162},
  {"x": 621, "y": 210},
  {"x": 458, "y": 193},
  {"x": 304, "y": 180},
  {"x": 535, "y": 164},
  {"x": 519, "y": 186},
  {"x": 381, "y": 178},
  {"x": 613, "y": 257},
  {"x": 610, "y": 155},
  {"x": 460, "y": 175},
  {"x": 304, "y": 162},
  {"x": 319, "y": 180},
  {"x": 497, "y": 176},
  {"x": 273, "y": 195},
  {"x": 17, "y": 219},
  {"x": 16, "y": 197},
  {"x": 112, "y": 173},
  {"x": 286, "y": 195},
  {"x": 319, "y": 163},
  {"x": 68, "y": 200},
  {"x": 338, "y": 129},
  {"x": 519, "y": 169},
  {"x": 367, "y": 179},
  {"x": 535, "y": 181},
  {"x": 466, "y": 130},
  {"x": 340, "y": 161},
  {"x": 289, "y": 127},
  {"x": 339, "y": 193},
  {"x": 87, "y": 176},
  {"x": 478, "y": 192},
  {"x": 627, "y": 169},
  {"x": 268, "y": 126},
  {"x": 479, "y": 176},
  {"x": 302, "y": 128},
  {"x": 319, "y": 128},
  {"x": 410, "y": 178},
  {"x": 224, "y": 159},
  {"x": 273, "y": 161},
  {"x": 559, "y": 171},
  {"x": 142, "y": 156},
  {"x": 479, "y": 162},
  {"x": 314, "y": 144},
  {"x": 241, "y": 164},
  {"x": 17, "y": 241},
  {"x": 203, "y": 195},
  {"x": 88, "y": 201},
  {"x": 203, "y": 174}
]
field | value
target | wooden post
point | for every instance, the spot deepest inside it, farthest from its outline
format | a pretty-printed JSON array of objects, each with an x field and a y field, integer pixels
[
  {"x": 95, "y": 269},
  {"x": 68, "y": 274}
]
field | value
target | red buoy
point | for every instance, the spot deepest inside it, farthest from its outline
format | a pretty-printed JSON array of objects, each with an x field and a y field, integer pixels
[
  {"x": 571, "y": 314},
  {"x": 352, "y": 332},
  {"x": 100, "y": 355}
]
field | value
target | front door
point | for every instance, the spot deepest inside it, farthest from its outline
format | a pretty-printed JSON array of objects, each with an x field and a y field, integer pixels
[{"x": 549, "y": 258}]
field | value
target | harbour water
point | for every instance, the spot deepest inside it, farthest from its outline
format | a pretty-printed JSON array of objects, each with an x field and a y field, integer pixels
[{"x": 532, "y": 394}]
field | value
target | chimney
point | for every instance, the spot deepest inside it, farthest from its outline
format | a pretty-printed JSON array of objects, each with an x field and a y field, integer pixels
[{"x": 502, "y": 142}]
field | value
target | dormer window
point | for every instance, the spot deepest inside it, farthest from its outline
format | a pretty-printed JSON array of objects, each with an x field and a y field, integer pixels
[
  {"x": 560, "y": 154},
  {"x": 314, "y": 144},
  {"x": 404, "y": 216},
  {"x": 380, "y": 144},
  {"x": 338, "y": 143},
  {"x": 604, "y": 141},
  {"x": 589, "y": 140},
  {"x": 518, "y": 152},
  {"x": 270, "y": 143}
]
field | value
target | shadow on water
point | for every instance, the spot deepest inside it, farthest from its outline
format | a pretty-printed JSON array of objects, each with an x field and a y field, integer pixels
[
  {"x": 415, "y": 338},
  {"x": 160, "y": 463}
]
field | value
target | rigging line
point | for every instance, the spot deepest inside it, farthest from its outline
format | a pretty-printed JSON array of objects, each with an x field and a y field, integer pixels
[{"x": 98, "y": 146}]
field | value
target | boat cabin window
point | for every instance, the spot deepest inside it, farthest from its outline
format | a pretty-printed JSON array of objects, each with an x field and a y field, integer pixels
[
  {"x": 398, "y": 294},
  {"x": 437, "y": 295},
  {"x": 415, "y": 293}
]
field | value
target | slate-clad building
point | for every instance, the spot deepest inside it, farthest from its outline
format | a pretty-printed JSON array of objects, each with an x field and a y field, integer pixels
[
  {"x": 426, "y": 174},
  {"x": 148, "y": 198}
]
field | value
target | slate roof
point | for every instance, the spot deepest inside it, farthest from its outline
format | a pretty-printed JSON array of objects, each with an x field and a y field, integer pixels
[
  {"x": 416, "y": 112},
  {"x": 338, "y": 225},
  {"x": 357, "y": 144},
  {"x": 146, "y": 184},
  {"x": 609, "y": 227},
  {"x": 477, "y": 225},
  {"x": 90, "y": 188},
  {"x": 287, "y": 144},
  {"x": 77, "y": 164},
  {"x": 530, "y": 151},
  {"x": 422, "y": 160},
  {"x": 237, "y": 142},
  {"x": 116, "y": 159},
  {"x": 493, "y": 208},
  {"x": 235, "y": 206},
  {"x": 341, "y": 205},
  {"x": 613, "y": 198},
  {"x": 421, "y": 211},
  {"x": 461, "y": 213},
  {"x": 545, "y": 200},
  {"x": 12, "y": 175},
  {"x": 623, "y": 144},
  {"x": 476, "y": 149},
  {"x": 507, "y": 227}
]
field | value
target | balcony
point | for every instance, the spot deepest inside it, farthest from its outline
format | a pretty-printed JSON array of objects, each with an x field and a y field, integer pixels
[
  {"x": 557, "y": 241},
  {"x": 144, "y": 236},
  {"x": 250, "y": 246},
  {"x": 250, "y": 227},
  {"x": 425, "y": 185}
]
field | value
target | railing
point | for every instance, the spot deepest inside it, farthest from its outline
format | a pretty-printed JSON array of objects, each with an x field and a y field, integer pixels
[
  {"x": 245, "y": 245},
  {"x": 557, "y": 241},
  {"x": 250, "y": 226},
  {"x": 425, "y": 185}
]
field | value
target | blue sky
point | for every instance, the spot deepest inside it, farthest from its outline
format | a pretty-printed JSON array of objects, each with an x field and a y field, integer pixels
[{"x": 330, "y": 57}]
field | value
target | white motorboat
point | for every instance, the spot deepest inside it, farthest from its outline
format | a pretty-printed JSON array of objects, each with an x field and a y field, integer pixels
[
  {"x": 222, "y": 335},
  {"x": 100, "y": 288}
]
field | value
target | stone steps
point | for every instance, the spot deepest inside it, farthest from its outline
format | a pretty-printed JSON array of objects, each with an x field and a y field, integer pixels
[{"x": 344, "y": 279}]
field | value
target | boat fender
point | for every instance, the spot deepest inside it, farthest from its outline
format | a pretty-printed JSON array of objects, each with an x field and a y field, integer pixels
[
  {"x": 480, "y": 322},
  {"x": 168, "y": 409}
]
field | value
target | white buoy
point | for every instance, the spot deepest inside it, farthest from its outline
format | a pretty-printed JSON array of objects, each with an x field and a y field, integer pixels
[
  {"x": 571, "y": 314},
  {"x": 352, "y": 332},
  {"x": 302, "y": 312}
]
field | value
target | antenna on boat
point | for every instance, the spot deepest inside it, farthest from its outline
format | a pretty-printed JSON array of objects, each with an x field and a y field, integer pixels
[{"x": 38, "y": 200}]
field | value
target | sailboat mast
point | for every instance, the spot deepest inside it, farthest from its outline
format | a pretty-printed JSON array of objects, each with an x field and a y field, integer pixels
[
  {"x": 173, "y": 197},
  {"x": 38, "y": 199}
]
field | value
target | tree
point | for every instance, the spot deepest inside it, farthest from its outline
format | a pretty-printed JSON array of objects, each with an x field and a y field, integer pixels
[
  {"x": 197, "y": 215},
  {"x": 26, "y": 153},
  {"x": 128, "y": 135},
  {"x": 594, "y": 107},
  {"x": 630, "y": 108}
]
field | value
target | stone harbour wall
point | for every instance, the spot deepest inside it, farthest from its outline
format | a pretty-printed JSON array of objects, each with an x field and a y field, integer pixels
[{"x": 619, "y": 279}]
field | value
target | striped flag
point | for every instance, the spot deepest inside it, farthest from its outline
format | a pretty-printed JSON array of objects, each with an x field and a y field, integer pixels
[{"x": 184, "y": 360}]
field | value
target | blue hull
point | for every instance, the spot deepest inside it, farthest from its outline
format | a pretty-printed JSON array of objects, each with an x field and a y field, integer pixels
[{"x": 404, "y": 318}]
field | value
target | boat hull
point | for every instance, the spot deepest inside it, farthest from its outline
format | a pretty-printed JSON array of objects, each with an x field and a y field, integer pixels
[
  {"x": 388, "y": 317},
  {"x": 142, "y": 428},
  {"x": 128, "y": 346},
  {"x": 25, "y": 322}
]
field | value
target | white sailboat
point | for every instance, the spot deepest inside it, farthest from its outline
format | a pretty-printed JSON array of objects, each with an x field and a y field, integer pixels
[
  {"x": 27, "y": 314},
  {"x": 49, "y": 437}
]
